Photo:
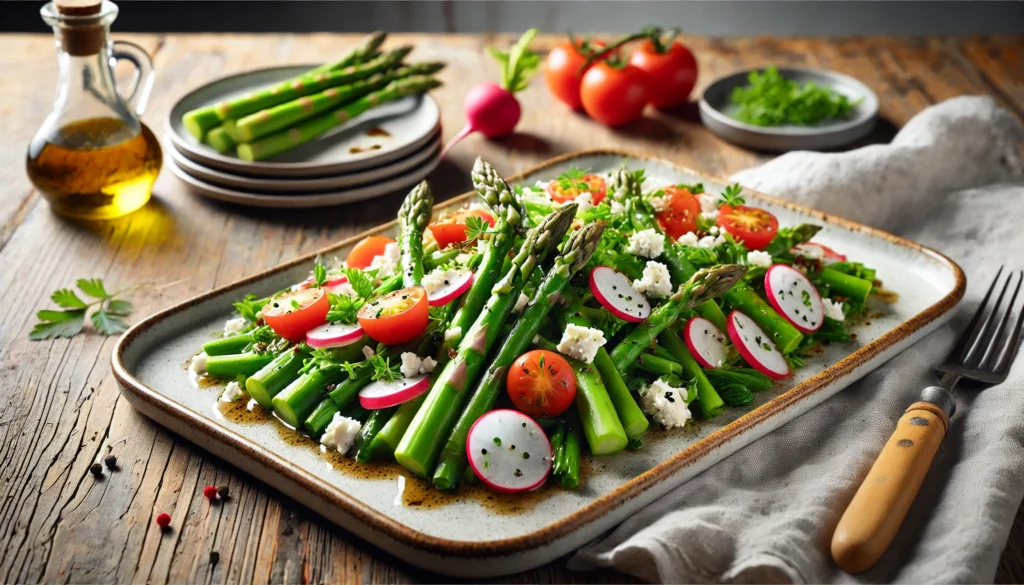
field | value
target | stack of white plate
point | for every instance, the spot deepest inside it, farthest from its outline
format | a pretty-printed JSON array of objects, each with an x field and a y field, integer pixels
[{"x": 388, "y": 148}]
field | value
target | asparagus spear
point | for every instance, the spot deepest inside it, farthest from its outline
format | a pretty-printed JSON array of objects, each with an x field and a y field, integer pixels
[
  {"x": 236, "y": 343},
  {"x": 231, "y": 365},
  {"x": 706, "y": 284},
  {"x": 279, "y": 142},
  {"x": 573, "y": 257},
  {"x": 708, "y": 400},
  {"x": 201, "y": 120},
  {"x": 419, "y": 447},
  {"x": 510, "y": 218},
  {"x": 747, "y": 301},
  {"x": 413, "y": 217},
  {"x": 601, "y": 426},
  {"x": 219, "y": 139},
  {"x": 270, "y": 120},
  {"x": 273, "y": 377}
]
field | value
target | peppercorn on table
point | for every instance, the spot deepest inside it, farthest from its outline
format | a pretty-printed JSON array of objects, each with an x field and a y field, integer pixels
[{"x": 64, "y": 519}]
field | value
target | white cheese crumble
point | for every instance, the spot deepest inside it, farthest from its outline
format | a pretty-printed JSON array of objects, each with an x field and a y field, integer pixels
[
  {"x": 386, "y": 264},
  {"x": 833, "y": 309},
  {"x": 759, "y": 258},
  {"x": 656, "y": 281},
  {"x": 659, "y": 204},
  {"x": 414, "y": 365},
  {"x": 232, "y": 392},
  {"x": 667, "y": 404},
  {"x": 647, "y": 243},
  {"x": 688, "y": 239},
  {"x": 536, "y": 195},
  {"x": 581, "y": 343},
  {"x": 521, "y": 303},
  {"x": 453, "y": 333},
  {"x": 709, "y": 215},
  {"x": 428, "y": 239},
  {"x": 198, "y": 365},
  {"x": 439, "y": 278},
  {"x": 343, "y": 289},
  {"x": 710, "y": 241},
  {"x": 618, "y": 208},
  {"x": 714, "y": 230},
  {"x": 585, "y": 202},
  {"x": 708, "y": 202},
  {"x": 233, "y": 326},
  {"x": 341, "y": 433},
  {"x": 401, "y": 491},
  {"x": 809, "y": 251},
  {"x": 367, "y": 352}
]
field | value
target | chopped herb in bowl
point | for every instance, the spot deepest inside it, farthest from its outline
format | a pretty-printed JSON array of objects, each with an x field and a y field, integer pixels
[{"x": 774, "y": 100}]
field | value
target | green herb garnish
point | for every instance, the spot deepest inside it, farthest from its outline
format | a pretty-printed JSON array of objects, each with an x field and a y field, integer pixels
[
  {"x": 774, "y": 100},
  {"x": 107, "y": 319}
]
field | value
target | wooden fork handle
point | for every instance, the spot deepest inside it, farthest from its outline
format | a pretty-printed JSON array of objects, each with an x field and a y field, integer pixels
[{"x": 880, "y": 504}]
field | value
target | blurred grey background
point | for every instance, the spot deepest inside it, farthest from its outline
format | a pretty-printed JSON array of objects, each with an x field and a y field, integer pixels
[{"x": 709, "y": 17}]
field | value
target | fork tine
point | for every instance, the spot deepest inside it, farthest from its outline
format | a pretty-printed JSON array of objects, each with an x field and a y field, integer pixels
[
  {"x": 984, "y": 337},
  {"x": 959, "y": 353},
  {"x": 1012, "y": 344},
  {"x": 996, "y": 343}
]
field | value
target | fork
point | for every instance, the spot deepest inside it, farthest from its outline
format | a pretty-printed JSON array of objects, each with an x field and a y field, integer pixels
[{"x": 983, "y": 354}]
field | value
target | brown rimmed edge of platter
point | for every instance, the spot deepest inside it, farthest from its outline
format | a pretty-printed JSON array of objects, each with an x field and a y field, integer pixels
[{"x": 602, "y": 505}]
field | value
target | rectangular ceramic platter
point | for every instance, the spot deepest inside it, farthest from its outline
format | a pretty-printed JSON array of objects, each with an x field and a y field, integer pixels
[{"x": 467, "y": 535}]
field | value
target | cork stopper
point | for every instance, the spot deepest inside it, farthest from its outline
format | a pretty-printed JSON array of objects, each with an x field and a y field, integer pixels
[{"x": 82, "y": 32}]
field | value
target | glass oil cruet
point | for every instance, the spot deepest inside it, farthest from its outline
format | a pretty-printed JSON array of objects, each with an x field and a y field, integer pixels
[{"x": 92, "y": 158}]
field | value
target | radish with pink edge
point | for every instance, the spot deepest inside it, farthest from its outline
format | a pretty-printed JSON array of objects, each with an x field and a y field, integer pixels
[
  {"x": 613, "y": 290},
  {"x": 388, "y": 393},
  {"x": 331, "y": 335},
  {"x": 456, "y": 285},
  {"x": 509, "y": 451},
  {"x": 794, "y": 297},
  {"x": 705, "y": 342},
  {"x": 756, "y": 347},
  {"x": 330, "y": 286}
]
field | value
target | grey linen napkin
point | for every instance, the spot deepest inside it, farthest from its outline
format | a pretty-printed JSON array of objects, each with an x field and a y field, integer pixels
[{"x": 951, "y": 179}]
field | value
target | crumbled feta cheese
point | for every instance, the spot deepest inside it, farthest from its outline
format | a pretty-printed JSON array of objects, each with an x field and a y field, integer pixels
[
  {"x": 714, "y": 231},
  {"x": 833, "y": 309},
  {"x": 667, "y": 404},
  {"x": 341, "y": 433},
  {"x": 343, "y": 289},
  {"x": 367, "y": 352},
  {"x": 708, "y": 202},
  {"x": 386, "y": 264},
  {"x": 453, "y": 333},
  {"x": 759, "y": 258},
  {"x": 414, "y": 365},
  {"x": 809, "y": 251},
  {"x": 688, "y": 239},
  {"x": 521, "y": 303},
  {"x": 647, "y": 243},
  {"x": 428, "y": 238},
  {"x": 710, "y": 241},
  {"x": 536, "y": 195},
  {"x": 233, "y": 326},
  {"x": 232, "y": 392},
  {"x": 659, "y": 204},
  {"x": 479, "y": 205},
  {"x": 581, "y": 343},
  {"x": 541, "y": 185},
  {"x": 198, "y": 365},
  {"x": 709, "y": 215},
  {"x": 401, "y": 491},
  {"x": 618, "y": 208},
  {"x": 585, "y": 202},
  {"x": 656, "y": 281},
  {"x": 439, "y": 278}
]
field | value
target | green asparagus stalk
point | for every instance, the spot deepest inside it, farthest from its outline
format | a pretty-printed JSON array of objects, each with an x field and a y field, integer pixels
[
  {"x": 413, "y": 217},
  {"x": 234, "y": 343},
  {"x": 708, "y": 401},
  {"x": 218, "y": 139},
  {"x": 296, "y": 402},
  {"x": 421, "y": 443},
  {"x": 569, "y": 462},
  {"x": 200, "y": 121},
  {"x": 745, "y": 300},
  {"x": 845, "y": 285},
  {"x": 369, "y": 431},
  {"x": 275, "y": 376},
  {"x": 601, "y": 426},
  {"x": 321, "y": 417},
  {"x": 658, "y": 366},
  {"x": 244, "y": 364},
  {"x": 510, "y": 218},
  {"x": 270, "y": 120},
  {"x": 307, "y": 130},
  {"x": 573, "y": 256},
  {"x": 704, "y": 285},
  {"x": 782, "y": 243}
]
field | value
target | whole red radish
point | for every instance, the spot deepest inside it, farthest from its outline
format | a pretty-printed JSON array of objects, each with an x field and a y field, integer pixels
[
  {"x": 670, "y": 65},
  {"x": 492, "y": 109}
]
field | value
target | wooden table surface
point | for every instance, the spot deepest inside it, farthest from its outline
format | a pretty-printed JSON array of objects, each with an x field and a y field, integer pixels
[{"x": 60, "y": 409}]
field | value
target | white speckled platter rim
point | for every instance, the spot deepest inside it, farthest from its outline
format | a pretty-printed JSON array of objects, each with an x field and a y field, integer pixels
[{"x": 464, "y": 538}]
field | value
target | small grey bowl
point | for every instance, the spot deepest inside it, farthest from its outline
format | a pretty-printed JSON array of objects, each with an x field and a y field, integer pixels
[{"x": 715, "y": 109}]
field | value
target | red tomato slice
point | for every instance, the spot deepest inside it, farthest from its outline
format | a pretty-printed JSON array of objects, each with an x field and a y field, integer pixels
[
  {"x": 680, "y": 215},
  {"x": 293, "y": 314},
  {"x": 365, "y": 251},
  {"x": 397, "y": 317},
  {"x": 595, "y": 186},
  {"x": 750, "y": 226},
  {"x": 452, "y": 229},
  {"x": 541, "y": 383}
]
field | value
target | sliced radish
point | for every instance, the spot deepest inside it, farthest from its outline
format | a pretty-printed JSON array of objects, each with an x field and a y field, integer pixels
[
  {"x": 705, "y": 342},
  {"x": 333, "y": 335},
  {"x": 383, "y": 394},
  {"x": 454, "y": 286},
  {"x": 816, "y": 251},
  {"x": 756, "y": 347},
  {"x": 330, "y": 286},
  {"x": 794, "y": 297},
  {"x": 613, "y": 290},
  {"x": 509, "y": 451}
]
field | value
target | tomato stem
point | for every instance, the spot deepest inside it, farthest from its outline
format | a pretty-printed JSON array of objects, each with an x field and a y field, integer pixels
[{"x": 596, "y": 56}]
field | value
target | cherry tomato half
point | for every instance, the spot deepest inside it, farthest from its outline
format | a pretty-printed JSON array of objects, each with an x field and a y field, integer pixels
[
  {"x": 614, "y": 96},
  {"x": 397, "y": 317},
  {"x": 675, "y": 69},
  {"x": 365, "y": 251},
  {"x": 595, "y": 186},
  {"x": 750, "y": 226},
  {"x": 541, "y": 383},
  {"x": 293, "y": 314},
  {"x": 680, "y": 215},
  {"x": 452, "y": 229},
  {"x": 563, "y": 71}
]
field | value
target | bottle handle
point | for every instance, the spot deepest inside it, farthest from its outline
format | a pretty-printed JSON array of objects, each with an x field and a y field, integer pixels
[{"x": 143, "y": 82}]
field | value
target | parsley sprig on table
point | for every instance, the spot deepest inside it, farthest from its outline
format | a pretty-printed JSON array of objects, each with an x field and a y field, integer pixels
[
  {"x": 773, "y": 100},
  {"x": 107, "y": 317}
]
